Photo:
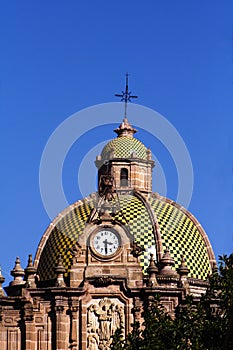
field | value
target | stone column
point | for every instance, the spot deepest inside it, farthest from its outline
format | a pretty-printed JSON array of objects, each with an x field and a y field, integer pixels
[
  {"x": 74, "y": 327},
  {"x": 30, "y": 335},
  {"x": 61, "y": 327}
]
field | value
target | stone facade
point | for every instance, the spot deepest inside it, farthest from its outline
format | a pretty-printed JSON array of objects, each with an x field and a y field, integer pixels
[{"x": 83, "y": 311}]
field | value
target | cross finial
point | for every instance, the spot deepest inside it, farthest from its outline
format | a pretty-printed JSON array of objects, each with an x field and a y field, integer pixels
[{"x": 126, "y": 95}]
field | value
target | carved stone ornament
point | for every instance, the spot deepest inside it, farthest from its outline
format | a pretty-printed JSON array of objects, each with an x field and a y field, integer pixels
[
  {"x": 103, "y": 280},
  {"x": 137, "y": 309},
  {"x": 59, "y": 309},
  {"x": 103, "y": 318},
  {"x": 136, "y": 249},
  {"x": 76, "y": 251}
]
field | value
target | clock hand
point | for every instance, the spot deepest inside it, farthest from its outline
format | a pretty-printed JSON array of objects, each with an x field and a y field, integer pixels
[{"x": 106, "y": 245}]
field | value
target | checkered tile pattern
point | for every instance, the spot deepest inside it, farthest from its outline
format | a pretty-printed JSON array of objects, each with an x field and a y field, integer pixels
[
  {"x": 178, "y": 232},
  {"x": 182, "y": 237},
  {"x": 123, "y": 148},
  {"x": 62, "y": 238},
  {"x": 134, "y": 213}
]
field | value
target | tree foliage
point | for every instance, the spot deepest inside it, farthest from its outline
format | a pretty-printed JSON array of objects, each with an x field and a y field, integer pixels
[{"x": 205, "y": 324}]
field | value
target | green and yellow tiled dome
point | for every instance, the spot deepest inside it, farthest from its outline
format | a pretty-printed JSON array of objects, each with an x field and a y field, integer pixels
[
  {"x": 176, "y": 228},
  {"x": 124, "y": 147},
  {"x": 154, "y": 222}
]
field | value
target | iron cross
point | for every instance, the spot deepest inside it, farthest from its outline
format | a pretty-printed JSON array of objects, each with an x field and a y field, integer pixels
[{"x": 126, "y": 95}]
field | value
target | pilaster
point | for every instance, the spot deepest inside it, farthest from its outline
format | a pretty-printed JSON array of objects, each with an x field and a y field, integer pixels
[
  {"x": 74, "y": 324},
  {"x": 30, "y": 334},
  {"x": 61, "y": 324}
]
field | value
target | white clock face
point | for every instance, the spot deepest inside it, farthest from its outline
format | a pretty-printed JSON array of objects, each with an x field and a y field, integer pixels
[{"x": 106, "y": 242}]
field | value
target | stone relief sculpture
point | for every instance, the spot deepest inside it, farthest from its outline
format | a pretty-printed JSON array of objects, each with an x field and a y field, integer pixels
[{"x": 103, "y": 318}]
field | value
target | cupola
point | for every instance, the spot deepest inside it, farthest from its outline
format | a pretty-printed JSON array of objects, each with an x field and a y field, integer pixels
[{"x": 127, "y": 160}]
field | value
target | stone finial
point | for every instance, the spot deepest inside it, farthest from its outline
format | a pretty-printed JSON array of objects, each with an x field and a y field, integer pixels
[
  {"x": 166, "y": 263},
  {"x": 17, "y": 273},
  {"x": 2, "y": 280},
  {"x": 152, "y": 271},
  {"x": 30, "y": 273},
  {"x": 183, "y": 271},
  {"x": 125, "y": 129},
  {"x": 60, "y": 271},
  {"x": 148, "y": 154}
]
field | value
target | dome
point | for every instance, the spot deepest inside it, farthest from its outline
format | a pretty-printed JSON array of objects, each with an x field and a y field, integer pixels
[
  {"x": 155, "y": 223},
  {"x": 124, "y": 147}
]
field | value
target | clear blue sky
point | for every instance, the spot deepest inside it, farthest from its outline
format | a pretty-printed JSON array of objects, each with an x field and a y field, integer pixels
[{"x": 59, "y": 57}]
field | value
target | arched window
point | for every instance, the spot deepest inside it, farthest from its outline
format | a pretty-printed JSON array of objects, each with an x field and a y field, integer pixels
[{"x": 124, "y": 177}]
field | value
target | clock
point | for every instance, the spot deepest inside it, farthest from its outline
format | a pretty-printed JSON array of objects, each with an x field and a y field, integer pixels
[{"x": 105, "y": 242}]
